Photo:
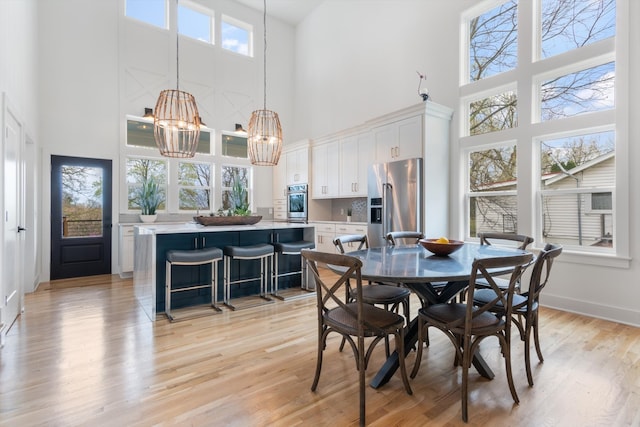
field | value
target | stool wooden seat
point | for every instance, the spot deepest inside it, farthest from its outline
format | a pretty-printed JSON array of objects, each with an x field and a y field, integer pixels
[
  {"x": 262, "y": 252},
  {"x": 192, "y": 257},
  {"x": 291, "y": 248}
]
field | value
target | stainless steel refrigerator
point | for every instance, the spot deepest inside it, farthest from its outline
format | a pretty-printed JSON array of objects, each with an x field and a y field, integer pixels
[{"x": 394, "y": 200}]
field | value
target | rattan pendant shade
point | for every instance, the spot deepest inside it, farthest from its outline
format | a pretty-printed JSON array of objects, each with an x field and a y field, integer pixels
[
  {"x": 264, "y": 136},
  {"x": 176, "y": 124}
]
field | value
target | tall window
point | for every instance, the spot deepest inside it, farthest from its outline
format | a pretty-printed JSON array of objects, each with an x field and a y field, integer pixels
[
  {"x": 548, "y": 93},
  {"x": 138, "y": 171},
  {"x": 194, "y": 180}
]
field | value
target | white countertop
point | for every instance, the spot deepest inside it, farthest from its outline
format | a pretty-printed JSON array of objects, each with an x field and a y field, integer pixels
[{"x": 192, "y": 227}]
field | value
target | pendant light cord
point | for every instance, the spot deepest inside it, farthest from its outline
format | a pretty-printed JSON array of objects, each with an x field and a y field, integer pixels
[
  {"x": 177, "y": 46},
  {"x": 264, "y": 26}
]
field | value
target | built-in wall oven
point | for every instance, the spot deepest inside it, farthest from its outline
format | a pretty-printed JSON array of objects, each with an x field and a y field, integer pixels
[{"x": 297, "y": 206}]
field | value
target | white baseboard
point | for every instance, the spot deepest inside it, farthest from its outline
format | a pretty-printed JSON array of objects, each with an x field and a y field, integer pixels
[{"x": 587, "y": 308}]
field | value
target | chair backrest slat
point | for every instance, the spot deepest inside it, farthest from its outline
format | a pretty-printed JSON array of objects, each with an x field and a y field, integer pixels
[
  {"x": 341, "y": 241},
  {"x": 541, "y": 271},
  {"x": 482, "y": 269},
  {"x": 394, "y": 236},
  {"x": 497, "y": 238}
]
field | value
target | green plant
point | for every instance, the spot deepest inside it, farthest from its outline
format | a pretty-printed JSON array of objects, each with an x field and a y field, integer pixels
[
  {"x": 239, "y": 198},
  {"x": 349, "y": 211},
  {"x": 148, "y": 196}
]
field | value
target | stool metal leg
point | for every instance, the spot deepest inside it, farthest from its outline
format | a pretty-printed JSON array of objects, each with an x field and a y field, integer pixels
[
  {"x": 167, "y": 291},
  {"x": 214, "y": 285}
]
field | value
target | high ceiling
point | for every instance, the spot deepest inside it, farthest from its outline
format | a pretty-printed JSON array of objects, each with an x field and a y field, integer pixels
[{"x": 290, "y": 11}]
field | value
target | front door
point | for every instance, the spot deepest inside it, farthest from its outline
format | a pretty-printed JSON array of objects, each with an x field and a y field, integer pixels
[{"x": 80, "y": 217}]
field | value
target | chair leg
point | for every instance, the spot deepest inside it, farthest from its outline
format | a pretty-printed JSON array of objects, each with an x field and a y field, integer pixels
[
  {"x": 536, "y": 338},
  {"x": 527, "y": 354},
  {"x": 321, "y": 345},
  {"x": 421, "y": 330},
  {"x": 361, "y": 375},
  {"x": 507, "y": 362},
  {"x": 401, "y": 356},
  {"x": 464, "y": 390}
]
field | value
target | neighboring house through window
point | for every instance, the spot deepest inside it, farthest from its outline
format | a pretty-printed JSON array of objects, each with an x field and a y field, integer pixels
[{"x": 540, "y": 135}]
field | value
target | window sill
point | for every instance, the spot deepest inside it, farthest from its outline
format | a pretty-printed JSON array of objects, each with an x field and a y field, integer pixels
[{"x": 597, "y": 259}]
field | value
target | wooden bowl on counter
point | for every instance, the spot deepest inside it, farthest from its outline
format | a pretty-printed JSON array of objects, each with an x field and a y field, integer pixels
[{"x": 441, "y": 249}]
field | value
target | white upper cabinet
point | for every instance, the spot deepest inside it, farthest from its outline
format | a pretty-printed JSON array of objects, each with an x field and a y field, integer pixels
[
  {"x": 356, "y": 154},
  {"x": 324, "y": 170},
  {"x": 399, "y": 140},
  {"x": 297, "y": 166}
]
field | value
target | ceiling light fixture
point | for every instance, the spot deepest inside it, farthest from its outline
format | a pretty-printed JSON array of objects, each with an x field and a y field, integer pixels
[
  {"x": 265, "y": 133},
  {"x": 176, "y": 125}
]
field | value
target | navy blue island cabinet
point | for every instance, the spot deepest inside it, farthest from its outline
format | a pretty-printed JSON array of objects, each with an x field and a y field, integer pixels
[{"x": 151, "y": 243}]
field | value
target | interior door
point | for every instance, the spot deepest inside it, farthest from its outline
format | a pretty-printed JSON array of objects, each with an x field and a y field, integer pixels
[
  {"x": 11, "y": 278},
  {"x": 80, "y": 217}
]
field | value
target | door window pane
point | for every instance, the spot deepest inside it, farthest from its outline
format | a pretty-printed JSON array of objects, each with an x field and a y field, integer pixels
[
  {"x": 567, "y": 25},
  {"x": 81, "y": 201}
]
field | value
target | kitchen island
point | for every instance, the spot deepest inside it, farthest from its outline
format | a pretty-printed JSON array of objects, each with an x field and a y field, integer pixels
[{"x": 152, "y": 241}]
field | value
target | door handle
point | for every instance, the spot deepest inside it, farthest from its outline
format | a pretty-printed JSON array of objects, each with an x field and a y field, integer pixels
[{"x": 21, "y": 229}]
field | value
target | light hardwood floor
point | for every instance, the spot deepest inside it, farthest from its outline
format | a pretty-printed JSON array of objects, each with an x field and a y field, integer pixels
[{"x": 83, "y": 353}]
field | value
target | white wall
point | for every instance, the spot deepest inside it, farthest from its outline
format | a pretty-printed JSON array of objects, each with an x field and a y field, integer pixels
[
  {"x": 358, "y": 59},
  {"x": 96, "y": 67},
  {"x": 18, "y": 80}
]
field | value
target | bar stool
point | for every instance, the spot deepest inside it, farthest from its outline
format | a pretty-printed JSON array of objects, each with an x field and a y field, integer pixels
[
  {"x": 262, "y": 252},
  {"x": 192, "y": 257},
  {"x": 291, "y": 248}
]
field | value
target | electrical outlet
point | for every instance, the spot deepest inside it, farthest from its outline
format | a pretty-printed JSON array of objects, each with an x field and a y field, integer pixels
[
  {"x": 270, "y": 210},
  {"x": 341, "y": 211}
]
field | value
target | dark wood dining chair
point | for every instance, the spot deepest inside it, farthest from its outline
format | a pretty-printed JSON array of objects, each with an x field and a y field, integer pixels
[
  {"x": 525, "y": 305},
  {"x": 467, "y": 325},
  {"x": 355, "y": 321},
  {"x": 391, "y": 297},
  {"x": 519, "y": 241},
  {"x": 395, "y": 237}
]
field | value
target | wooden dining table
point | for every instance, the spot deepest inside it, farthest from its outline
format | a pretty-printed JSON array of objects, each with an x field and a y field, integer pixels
[{"x": 434, "y": 279}]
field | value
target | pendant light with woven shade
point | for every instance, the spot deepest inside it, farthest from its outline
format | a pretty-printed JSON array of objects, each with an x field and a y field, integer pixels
[
  {"x": 176, "y": 124},
  {"x": 265, "y": 133}
]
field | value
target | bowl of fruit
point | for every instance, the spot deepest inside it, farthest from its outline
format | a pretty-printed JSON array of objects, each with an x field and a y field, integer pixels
[{"x": 441, "y": 246}]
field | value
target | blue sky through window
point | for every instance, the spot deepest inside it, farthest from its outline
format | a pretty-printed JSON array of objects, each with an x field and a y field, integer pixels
[
  {"x": 235, "y": 39},
  {"x": 194, "y": 24},
  {"x": 150, "y": 11}
]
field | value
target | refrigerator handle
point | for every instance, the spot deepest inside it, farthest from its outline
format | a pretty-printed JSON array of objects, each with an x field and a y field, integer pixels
[{"x": 386, "y": 209}]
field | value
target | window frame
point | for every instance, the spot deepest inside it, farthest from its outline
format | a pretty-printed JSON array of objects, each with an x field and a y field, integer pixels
[{"x": 530, "y": 71}]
